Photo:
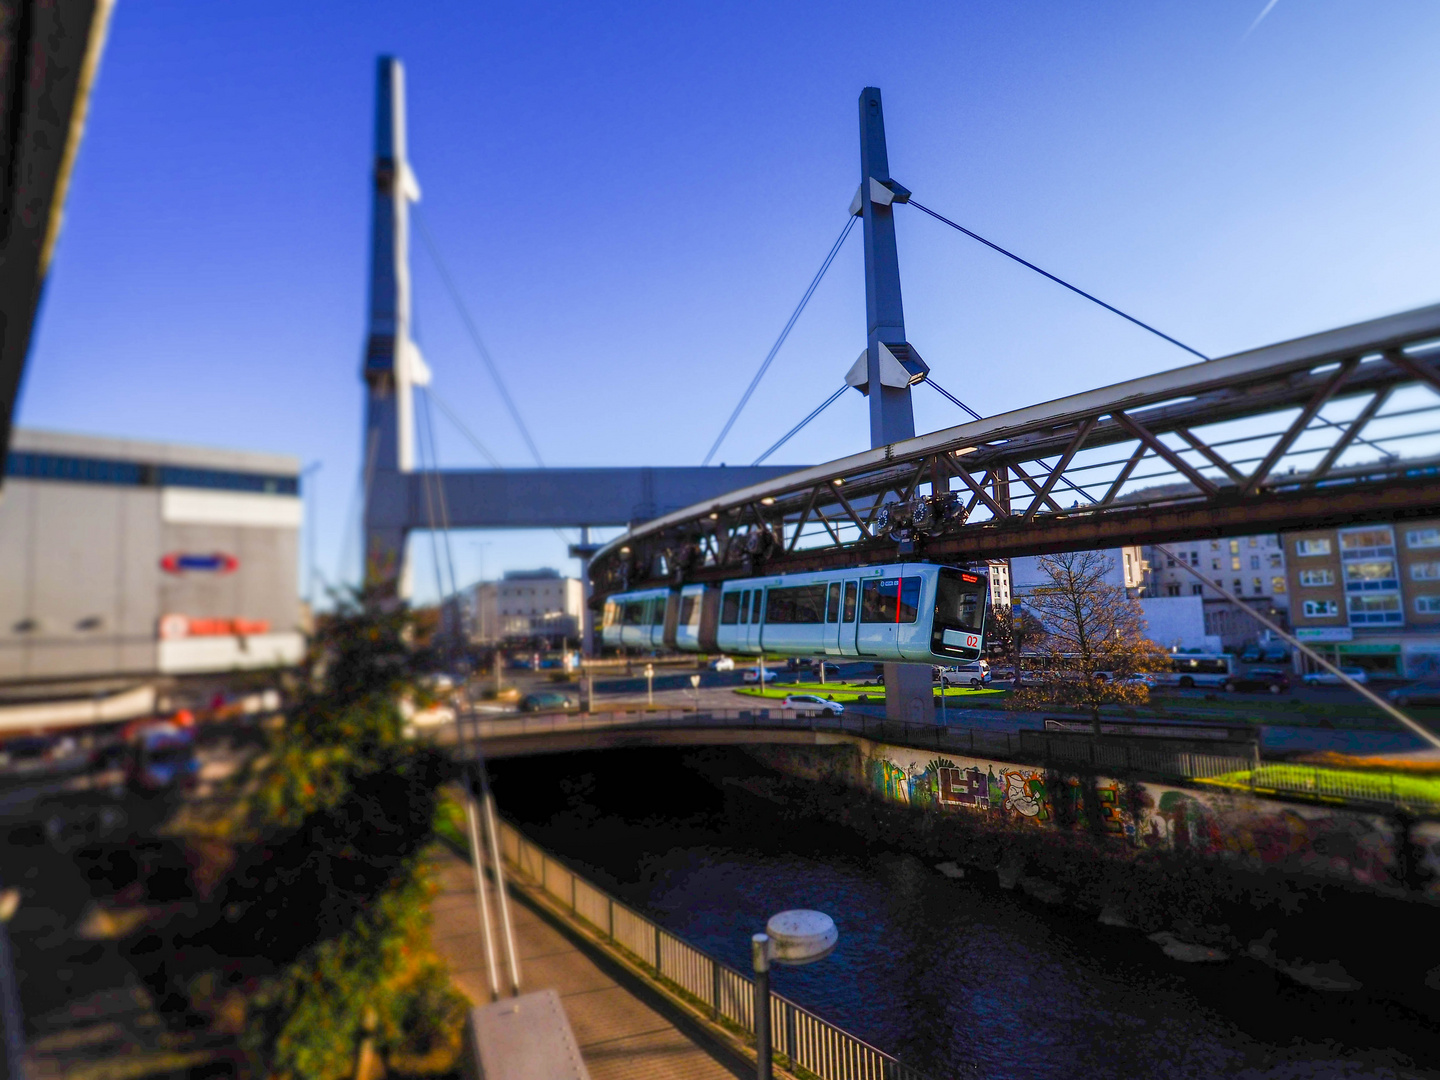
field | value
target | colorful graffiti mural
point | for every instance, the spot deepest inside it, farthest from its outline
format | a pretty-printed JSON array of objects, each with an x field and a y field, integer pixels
[{"x": 1261, "y": 831}]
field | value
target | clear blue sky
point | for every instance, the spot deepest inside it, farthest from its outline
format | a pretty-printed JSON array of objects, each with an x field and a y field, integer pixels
[{"x": 632, "y": 198}]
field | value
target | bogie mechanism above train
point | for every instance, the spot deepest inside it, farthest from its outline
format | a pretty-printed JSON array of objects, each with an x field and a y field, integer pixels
[{"x": 906, "y": 612}]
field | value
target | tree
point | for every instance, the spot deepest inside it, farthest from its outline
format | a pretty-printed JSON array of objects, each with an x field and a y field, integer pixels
[
  {"x": 1093, "y": 637},
  {"x": 1007, "y": 631}
]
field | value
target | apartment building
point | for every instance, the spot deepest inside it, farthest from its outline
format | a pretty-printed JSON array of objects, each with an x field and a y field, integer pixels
[
  {"x": 1251, "y": 567},
  {"x": 1369, "y": 595},
  {"x": 526, "y": 605}
]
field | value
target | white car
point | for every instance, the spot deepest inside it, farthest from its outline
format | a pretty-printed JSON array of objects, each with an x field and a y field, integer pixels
[
  {"x": 1329, "y": 678},
  {"x": 812, "y": 705},
  {"x": 1141, "y": 679},
  {"x": 974, "y": 675},
  {"x": 751, "y": 675},
  {"x": 722, "y": 663}
]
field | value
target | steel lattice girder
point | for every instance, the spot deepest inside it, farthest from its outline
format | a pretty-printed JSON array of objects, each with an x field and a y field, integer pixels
[{"x": 992, "y": 493}]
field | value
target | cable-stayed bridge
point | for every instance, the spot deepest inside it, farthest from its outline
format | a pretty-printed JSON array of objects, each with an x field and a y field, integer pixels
[{"x": 1338, "y": 427}]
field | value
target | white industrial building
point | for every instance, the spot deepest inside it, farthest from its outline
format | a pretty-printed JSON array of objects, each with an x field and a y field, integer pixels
[{"x": 128, "y": 558}]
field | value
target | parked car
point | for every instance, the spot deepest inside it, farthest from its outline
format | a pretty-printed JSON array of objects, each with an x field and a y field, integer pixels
[
  {"x": 812, "y": 705},
  {"x": 722, "y": 663},
  {"x": 162, "y": 756},
  {"x": 545, "y": 701},
  {"x": 1142, "y": 678},
  {"x": 1329, "y": 678},
  {"x": 752, "y": 676},
  {"x": 974, "y": 675},
  {"x": 1252, "y": 654},
  {"x": 1275, "y": 654},
  {"x": 1417, "y": 693},
  {"x": 1275, "y": 680}
]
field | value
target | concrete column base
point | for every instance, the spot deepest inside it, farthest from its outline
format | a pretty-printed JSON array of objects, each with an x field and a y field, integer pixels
[{"x": 909, "y": 693}]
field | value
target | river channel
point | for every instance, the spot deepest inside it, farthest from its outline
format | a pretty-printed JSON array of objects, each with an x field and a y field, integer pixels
[{"x": 957, "y": 978}]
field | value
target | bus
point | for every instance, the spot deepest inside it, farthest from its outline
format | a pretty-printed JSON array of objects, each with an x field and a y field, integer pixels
[{"x": 1197, "y": 669}]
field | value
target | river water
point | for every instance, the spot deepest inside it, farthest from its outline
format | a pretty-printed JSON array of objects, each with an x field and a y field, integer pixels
[{"x": 957, "y": 978}]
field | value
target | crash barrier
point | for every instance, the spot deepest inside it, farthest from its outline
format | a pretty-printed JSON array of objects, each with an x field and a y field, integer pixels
[
  {"x": 799, "y": 1037},
  {"x": 1227, "y": 764}
]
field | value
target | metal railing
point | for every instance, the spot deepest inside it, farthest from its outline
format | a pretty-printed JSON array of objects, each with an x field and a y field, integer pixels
[
  {"x": 1159, "y": 759},
  {"x": 801, "y": 1040}
]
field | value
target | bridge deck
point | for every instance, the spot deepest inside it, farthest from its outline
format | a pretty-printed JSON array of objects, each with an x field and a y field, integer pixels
[{"x": 622, "y": 1036}]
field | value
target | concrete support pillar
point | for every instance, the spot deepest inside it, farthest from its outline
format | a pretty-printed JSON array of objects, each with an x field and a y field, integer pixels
[{"x": 909, "y": 693}]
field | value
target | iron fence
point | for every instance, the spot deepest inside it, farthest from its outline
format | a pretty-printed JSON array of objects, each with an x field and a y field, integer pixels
[
  {"x": 802, "y": 1041},
  {"x": 1226, "y": 764}
]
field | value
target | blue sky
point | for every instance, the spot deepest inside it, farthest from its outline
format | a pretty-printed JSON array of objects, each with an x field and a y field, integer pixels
[{"x": 632, "y": 198}]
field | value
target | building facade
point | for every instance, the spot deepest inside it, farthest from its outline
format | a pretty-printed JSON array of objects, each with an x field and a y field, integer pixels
[
  {"x": 999, "y": 583},
  {"x": 1252, "y": 567},
  {"x": 1369, "y": 596},
  {"x": 525, "y": 605},
  {"x": 127, "y": 558}
]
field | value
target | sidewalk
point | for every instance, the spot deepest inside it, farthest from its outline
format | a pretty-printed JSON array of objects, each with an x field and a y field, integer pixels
[{"x": 621, "y": 1034}]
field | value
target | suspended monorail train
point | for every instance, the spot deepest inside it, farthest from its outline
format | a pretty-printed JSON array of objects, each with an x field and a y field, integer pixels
[{"x": 907, "y": 612}]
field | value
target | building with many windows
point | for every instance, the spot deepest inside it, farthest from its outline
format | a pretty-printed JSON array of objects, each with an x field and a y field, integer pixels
[
  {"x": 526, "y": 605},
  {"x": 1251, "y": 567},
  {"x": 1369, "y": 595}
]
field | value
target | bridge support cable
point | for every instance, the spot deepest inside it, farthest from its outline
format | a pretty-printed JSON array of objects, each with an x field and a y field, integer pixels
[
  {"x": 470, "y": 436},
  {"x": 1059, "y": 281},
  {"x": 798, "y": 427},
  {"x": 474, "y": 333},
  {"x": 779, "y": 341},
  {"x": 1364, "y": 691}
]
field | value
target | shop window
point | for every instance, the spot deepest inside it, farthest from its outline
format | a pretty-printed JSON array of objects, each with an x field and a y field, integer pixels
[
  {"x": 1313, "y": 547},
  {"x": 1320, "y": 609}
]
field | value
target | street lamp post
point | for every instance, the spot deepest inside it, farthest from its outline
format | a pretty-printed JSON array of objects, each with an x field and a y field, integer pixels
[
  {"x": 695, "y": 685},
  {"x": 649, "y": 684},
  {"x": 792, "y": 938}
]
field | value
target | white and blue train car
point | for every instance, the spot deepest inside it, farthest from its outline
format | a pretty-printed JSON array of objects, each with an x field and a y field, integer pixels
[
  {"x": 915, "y": 612},
  {"x": 635, "y": 620}
]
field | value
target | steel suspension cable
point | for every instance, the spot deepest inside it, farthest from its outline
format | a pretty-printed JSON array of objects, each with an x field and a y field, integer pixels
[
  {"x": 474, "y": 333},
  {"x": 473, "y": 439},
  {"x": 1059, "y": 281},
  {"x": 796, "y": 429},
  {"x": 779, "y": 341}
]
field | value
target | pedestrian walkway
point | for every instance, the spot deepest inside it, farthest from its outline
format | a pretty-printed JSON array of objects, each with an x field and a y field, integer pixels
[{"x": 621, "y": 1036}]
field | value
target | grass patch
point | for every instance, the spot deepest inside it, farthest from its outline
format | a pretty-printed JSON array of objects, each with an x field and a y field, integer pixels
[
  {"x": 1339, "y": 784},
  {"x": 848, "y": 693}
]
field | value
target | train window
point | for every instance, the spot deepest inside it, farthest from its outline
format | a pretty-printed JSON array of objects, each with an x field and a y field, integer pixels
[
  {"x": 687, "y": 610},
  {"x": 612, "y": 613},
  {"x": 744, "y": 607},
  {"x": 657, "y": 611},
  {"x": 730, "y": 609},
  {"x": 959, "y": 600},
  {"x": 634, "y": 614},
  {"x": 795, "y": 604},
  {"x": 832, "y": 603},
  {"x": 892, "y": 600},
  {"x": 755, "y": 605},
  {"x": 852, "y": 591}
]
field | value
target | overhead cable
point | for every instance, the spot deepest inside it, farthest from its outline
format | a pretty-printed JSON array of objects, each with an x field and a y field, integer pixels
[
  {"x": 470, "y": 435},
  {"x": 774, "y": 349},
  {"x": 952, "y": 398},
  {"x": 796, "y": 429},
  {"x": 1058, "y": 281},
  {"x": 475, "y": 336}
]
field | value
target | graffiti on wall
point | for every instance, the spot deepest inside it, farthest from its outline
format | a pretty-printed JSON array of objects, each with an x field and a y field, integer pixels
[{"x": 1263, "y": 832}]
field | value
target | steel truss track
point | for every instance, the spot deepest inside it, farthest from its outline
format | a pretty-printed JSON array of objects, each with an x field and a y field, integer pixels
[{"x": 1338, "y": 427}]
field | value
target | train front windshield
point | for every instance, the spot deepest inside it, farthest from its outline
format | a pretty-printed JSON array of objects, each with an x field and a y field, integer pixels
[{"x": 959, "y": 625}]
